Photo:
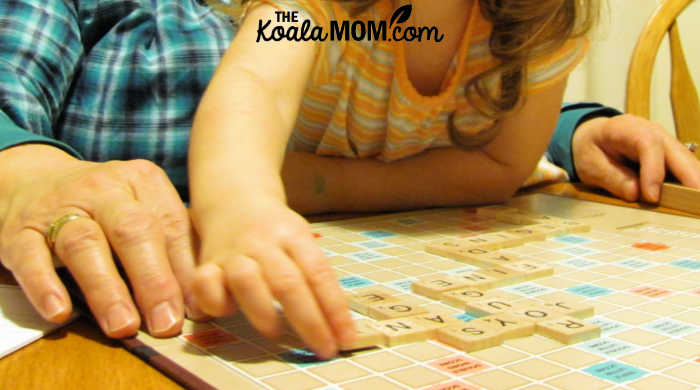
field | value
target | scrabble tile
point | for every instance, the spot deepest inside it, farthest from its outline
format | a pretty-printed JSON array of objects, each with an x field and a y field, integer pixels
[
  {"x": 434, "y": 286},
  {"x": 469, "y": 338},
  {"x": 572, "y": 226},
  {"x": 392, "y": 309},
  {"x": 528, "y": 233},
  {"x": 367, "y": 336},
  {"x": 488, "y": 241},
  {"x": 530, "y": 269},
  {"x": 361, "y": 302},
  {"x": 504, "y": 276},
  {"x": 459, "y": 251},
  {"x": 505, "y": 240},
  {"x": 478, "y": 279},
  {"x": 488, "y": 306},
  {"x": 432, "y": 321},
  {"x": 402, "y": 331},
  {"x": 459, "y": 298},
  {"x": 568, "y": 330},
  {"x": 497, "y": 258},
  {"x": 535, "y": 312},
  {"x": 571, "y": 308},
  {"x": 508, "y": 325}
]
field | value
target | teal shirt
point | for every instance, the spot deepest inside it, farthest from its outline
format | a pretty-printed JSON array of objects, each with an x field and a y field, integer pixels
[{"x": 572, "y": 115}]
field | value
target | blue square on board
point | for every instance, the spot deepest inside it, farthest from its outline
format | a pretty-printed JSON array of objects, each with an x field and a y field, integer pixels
[
  {"x": 378, "y": 234},
  {"x": 615, "y": 372}
]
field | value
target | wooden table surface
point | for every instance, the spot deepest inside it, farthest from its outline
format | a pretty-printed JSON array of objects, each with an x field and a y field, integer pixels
[{"x": 79, "y": 356}]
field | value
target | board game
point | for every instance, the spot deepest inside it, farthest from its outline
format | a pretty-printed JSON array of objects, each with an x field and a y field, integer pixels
[{"x": 634, "y": 276}]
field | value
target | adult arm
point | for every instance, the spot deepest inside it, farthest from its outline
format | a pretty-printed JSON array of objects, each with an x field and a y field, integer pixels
[
  {"x": 624, "y": 154},
  {"x": 42, "y": 179}
]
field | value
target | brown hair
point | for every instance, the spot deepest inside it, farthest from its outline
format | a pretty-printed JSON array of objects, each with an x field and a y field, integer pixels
[{"x": 523, "y": 30}]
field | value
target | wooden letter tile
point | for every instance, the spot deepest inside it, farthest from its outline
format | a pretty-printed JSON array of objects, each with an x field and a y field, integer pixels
[
  {"x": 530, "y": 269},
  {"x": 434, "y": 321},
  {"x": 469, "y": 338},
  {"x": 403, "y": 331},
  {"x": 361, "y": 302},
  {"x": 434, "y": 286},
  {"x": 504, "y": 276},
  {"x": 528, "y": 233},
  {"x": 509, "y": 325},
  {"x": 367, "y": 335},
  {"x": 571, "y": 309},
  {"x": 488, "y": 306},
  {"x": 394, "y": 309},
  {"x": 568, "y": 330},
  {"x": 457, "y": 250},
  {"x": 535, "y": 313},
  {"x": 460, "y": 298}
]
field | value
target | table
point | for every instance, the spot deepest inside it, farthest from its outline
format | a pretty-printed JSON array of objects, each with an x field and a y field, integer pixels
[{"x": 79, "y": 355}]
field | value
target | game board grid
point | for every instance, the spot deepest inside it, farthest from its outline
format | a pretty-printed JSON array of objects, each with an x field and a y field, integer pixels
[{"x": 439, "y": 226}]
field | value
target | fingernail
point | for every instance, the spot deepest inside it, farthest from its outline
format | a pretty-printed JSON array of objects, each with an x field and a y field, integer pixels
[
  {"x": 328, "y": 352},
  {"x": 118, "y": 318},
  {"x": 655, "y": 192},
  {"x": 52, "y": 306},
  {"x": 192, "y": 309},
  {"x": 348, "y": 336},
  {"x": 162, "y": 318}
]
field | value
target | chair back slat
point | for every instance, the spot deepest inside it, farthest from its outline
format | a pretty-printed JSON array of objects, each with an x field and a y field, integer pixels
[{"x": 684, "y": 98}]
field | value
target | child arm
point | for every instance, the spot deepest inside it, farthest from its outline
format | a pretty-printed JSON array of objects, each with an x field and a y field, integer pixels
[
  {"x": 254, "y": 249},
  {"x": 438, "y": 177}
]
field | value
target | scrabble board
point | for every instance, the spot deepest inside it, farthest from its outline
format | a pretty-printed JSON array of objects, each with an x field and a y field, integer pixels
[{"x": 635, "y": 276}]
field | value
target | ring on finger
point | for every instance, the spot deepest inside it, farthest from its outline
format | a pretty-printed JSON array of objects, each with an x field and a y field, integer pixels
[
  {"x": 692, "y": 146},
  {"x": 55, "y": 227}
]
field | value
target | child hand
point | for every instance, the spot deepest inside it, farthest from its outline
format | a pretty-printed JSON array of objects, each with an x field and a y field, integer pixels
[
  {"x": 252, "y": 256},
  {"x": 602, "y": 147}
]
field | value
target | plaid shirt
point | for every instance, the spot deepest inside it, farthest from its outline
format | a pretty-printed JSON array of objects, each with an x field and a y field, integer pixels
[{"x": 108, "y": 79}]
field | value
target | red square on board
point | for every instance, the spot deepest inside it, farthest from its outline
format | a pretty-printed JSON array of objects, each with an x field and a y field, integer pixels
[
  {"x": 459, "y": 365},
  {"x": 211, "y": 338},
  {"x": 650, "y": 291},
  {"x": 651, "y": 246}
]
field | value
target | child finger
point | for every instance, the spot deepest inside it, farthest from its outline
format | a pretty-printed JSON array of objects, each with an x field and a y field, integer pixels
[
  {"x": 210, "y": 291},
  {"x": 324, "y": 284},
  {"x": 245, "y": 281},
  {"x": 289, "y": 286}
]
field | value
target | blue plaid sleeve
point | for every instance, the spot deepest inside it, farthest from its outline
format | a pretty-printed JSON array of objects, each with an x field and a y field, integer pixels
[{"x": 40, "y": 50}]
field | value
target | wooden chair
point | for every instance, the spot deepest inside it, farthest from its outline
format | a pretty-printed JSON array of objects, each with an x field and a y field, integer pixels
[{"x": 684, "y": 98}]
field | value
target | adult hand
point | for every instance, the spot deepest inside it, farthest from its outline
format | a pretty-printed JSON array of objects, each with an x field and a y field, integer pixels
[
  {"x": 129, "y": 208},
  {"x": 260, "y": 251},
  {"x": 603, "y": 149}
]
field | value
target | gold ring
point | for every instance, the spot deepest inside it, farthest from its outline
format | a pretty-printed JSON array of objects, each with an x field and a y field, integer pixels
[{"x": 55, "y": 227}]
